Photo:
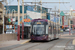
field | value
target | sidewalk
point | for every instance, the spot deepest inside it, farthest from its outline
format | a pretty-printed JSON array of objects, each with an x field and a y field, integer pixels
[
  {"x": 66, "y": 36},
  {"x": 12, "y": 42}
]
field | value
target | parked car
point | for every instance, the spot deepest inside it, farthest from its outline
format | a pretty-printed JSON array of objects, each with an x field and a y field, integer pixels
[{"x": 67, "y": 29}]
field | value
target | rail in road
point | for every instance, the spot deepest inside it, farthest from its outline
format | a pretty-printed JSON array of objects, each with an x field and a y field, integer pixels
[{"x": 34, "y": 45}]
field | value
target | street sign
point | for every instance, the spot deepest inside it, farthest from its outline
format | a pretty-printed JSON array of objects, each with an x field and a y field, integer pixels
[{"x": 62, "y": 13}]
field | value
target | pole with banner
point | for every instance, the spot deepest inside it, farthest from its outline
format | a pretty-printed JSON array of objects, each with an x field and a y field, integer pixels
[{"x": 62, "y": 18}]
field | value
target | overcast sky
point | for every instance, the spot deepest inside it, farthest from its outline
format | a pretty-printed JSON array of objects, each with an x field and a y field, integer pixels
[{"x": 49, "y": 5}]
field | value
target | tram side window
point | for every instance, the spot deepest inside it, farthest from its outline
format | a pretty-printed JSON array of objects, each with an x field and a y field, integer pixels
[
  {"x": 46, "y": 29},
  {"x": 51, "y": 29},
  {"x": 58, "y": 29}
]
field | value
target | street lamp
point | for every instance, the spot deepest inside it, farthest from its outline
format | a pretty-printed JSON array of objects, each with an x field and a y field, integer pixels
[
  {"x": 13, "y": 15},
  {"x": 8, "y": 11}
]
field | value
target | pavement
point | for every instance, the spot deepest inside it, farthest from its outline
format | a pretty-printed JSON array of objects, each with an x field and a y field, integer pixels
[
  {"x": 73, "y": 42},
  {"x": 25, "y": 44},
  {"x": 72, "y": 35},
  {"x": 12, "y": 42}
]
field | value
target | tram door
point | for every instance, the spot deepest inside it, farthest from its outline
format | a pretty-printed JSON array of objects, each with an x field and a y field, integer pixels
[{"x": 26, "y": 32}]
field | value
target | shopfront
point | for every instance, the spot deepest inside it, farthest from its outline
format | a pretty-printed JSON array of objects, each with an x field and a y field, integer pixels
[{"x": 27, "y": 27}]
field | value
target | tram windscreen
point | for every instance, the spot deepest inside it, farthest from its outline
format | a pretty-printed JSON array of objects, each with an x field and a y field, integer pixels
[{"x": 38, "y": 29}]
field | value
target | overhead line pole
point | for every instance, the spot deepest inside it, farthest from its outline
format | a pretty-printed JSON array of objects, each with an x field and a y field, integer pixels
[
  {"x": 41, "y": 8},
  {"x": 3, "y": 19},
  {"x": 18, "y": 21},
  {"x": 22, "y": 19},
  {"x": 3, "y": 14},
  {"x": 59, "y": 11}
]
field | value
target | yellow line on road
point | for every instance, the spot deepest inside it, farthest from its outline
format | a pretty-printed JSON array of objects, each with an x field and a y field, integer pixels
[
  {"x": 25, "y": 42},
  {"x": 73, "y": 42}
]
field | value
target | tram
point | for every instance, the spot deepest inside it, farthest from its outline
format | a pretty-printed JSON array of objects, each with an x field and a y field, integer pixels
[{"x": 43, "y": 29}]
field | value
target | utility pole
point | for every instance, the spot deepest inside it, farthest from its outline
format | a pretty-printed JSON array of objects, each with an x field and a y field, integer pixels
[
  {"x": 69, "y": 21},
  {"x": 41, "y": 7},
  {"x": 69, "y": 27},
  {"x": 18, "y": 20},
  {"x": 59, "y": 16},
  {"x": 3, "y": 14},
  {"x": 3, "y": 19},
  {"x": 22, "y": 19}
]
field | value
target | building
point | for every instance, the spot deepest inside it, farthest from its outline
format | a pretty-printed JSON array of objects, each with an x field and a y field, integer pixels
[
  {"x": 1, "y": 17},
  {"x": 29, "y": 13}
]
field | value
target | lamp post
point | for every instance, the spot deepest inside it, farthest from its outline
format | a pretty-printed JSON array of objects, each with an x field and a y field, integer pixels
[
  {"x": 7, "y": 12},
  {"x": 13, "y": 15}
]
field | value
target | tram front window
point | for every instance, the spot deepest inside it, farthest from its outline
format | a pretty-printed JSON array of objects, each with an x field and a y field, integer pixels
[{"x": 38, "y": 29}]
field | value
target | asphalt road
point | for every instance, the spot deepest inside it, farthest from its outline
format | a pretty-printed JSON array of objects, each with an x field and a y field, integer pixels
[{"x": 63, "y": 43}]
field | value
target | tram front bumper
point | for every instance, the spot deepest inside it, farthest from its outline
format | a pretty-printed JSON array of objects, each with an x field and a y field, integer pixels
[{"x": 39, "y": 37}]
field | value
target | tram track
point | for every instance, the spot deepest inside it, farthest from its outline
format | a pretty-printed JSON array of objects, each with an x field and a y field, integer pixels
[
  {"x": 19, "y": 46},
  {"x": 59, "y": 42},
  {"x": 27, "y": 44},
  {"x": 67, "y": 44},
  {"x": 40, "y": 44},
  {"x": 35, "y": 44},
  {"x": 32, "y": 46},
  {"x": 54, "y": 45}
]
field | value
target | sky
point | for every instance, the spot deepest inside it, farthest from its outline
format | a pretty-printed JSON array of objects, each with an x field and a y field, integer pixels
[{"x": 49, "y": 5}]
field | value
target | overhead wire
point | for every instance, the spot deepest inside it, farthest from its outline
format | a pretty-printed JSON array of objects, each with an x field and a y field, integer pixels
[{"x": 64, "y": 5}]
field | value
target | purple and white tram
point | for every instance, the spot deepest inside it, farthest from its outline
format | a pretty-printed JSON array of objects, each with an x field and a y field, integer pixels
[{"x": 43, "y": 29}]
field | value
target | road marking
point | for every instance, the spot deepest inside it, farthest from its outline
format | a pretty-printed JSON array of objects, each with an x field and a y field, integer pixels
[
  {"x": 73, "y": 42},
  {"x": 25, "y": 42}
]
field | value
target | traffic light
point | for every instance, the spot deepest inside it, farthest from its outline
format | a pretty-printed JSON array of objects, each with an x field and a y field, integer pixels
[{"x": 9, "y": 19}]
